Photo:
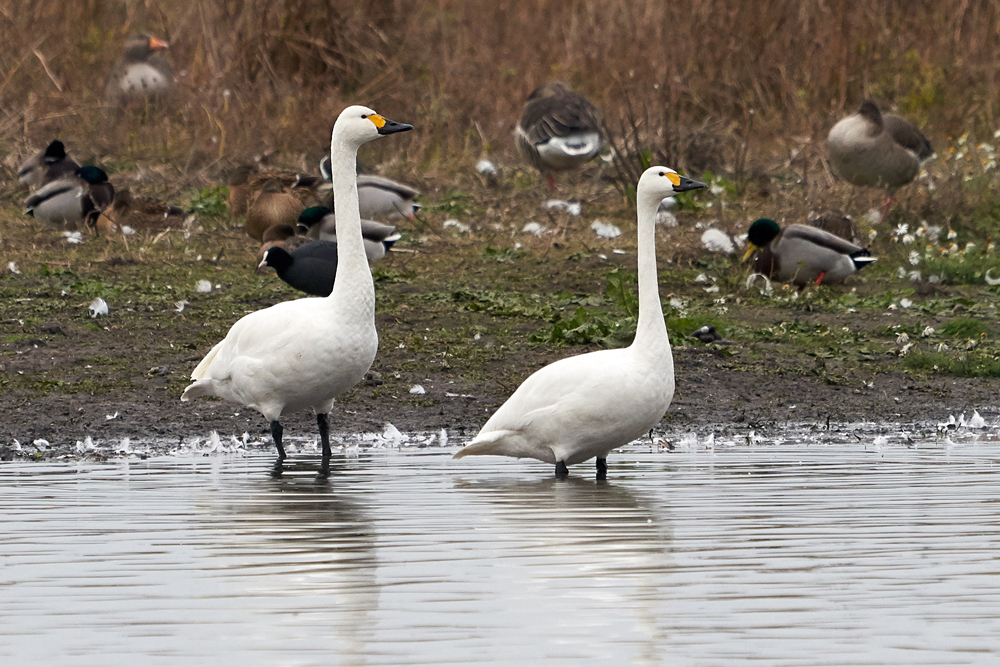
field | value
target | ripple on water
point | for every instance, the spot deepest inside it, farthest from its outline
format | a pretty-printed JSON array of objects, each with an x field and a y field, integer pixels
[{"x": 821, "y": 551}]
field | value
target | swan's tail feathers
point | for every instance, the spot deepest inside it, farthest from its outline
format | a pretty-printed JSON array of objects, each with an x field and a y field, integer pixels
[
  {"x": 485, "y": 444},
  {"x": 200, "y": 370},
  {"x": 198, "y": 388}
]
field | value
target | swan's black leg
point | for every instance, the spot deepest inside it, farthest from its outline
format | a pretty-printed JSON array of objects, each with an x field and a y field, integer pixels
[
  {"x": 324, "y": 434},
  {"x": 276, "y": 436},
  {"x": 602, "y": 468},
  {"x": 561, "y": 470}
]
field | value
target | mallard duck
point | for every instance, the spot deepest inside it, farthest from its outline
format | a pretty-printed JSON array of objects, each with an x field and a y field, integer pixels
[
  {"x": 70, "y": 203},
  {"x": 304, "y": 353},
  {"x": 49, "y": 165},
  {"x": 138, "y": 213},
  {"x": 380, "y": 198},
  {"x": 141, "y": 74},
  {"x": 310, "y": 268},
  {"x": 559, "y": 130},
  {"x": 583, "y": 407},
  {"x": 272, "y": 205},
  {"x": 877, "y": 150},
  {"x": 319, "y": 222},
  {"x": 800, "y": 254}
]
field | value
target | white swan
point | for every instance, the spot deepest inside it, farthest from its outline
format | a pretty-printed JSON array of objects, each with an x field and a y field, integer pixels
[
  {"x": 585, "y": 406},
  {"x": 304, "y": 353}
]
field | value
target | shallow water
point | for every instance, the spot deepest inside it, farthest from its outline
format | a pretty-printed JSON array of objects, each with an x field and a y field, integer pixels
[{"x": 799, "y": 552}]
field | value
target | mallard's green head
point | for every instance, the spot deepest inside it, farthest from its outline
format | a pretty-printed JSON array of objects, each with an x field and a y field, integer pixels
[{"x": 93, "y": 175}]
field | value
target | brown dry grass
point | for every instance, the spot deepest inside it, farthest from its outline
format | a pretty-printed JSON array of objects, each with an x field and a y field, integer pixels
[{"x": 267, "y": 78}]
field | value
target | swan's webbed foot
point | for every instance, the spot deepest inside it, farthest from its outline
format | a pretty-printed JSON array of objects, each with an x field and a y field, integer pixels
[
  {"x": 562, "y": 472},
  {"x": 602, "y": 468},
  {"x": 276, "y": 431}
]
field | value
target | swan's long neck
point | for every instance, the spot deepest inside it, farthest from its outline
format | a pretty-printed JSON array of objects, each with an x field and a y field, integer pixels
[
  {"x": 354, "y": 279},
  {"x": 651, "y": 330}
]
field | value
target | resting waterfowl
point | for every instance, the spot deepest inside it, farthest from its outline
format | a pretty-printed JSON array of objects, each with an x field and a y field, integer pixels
[
  {"x": 304, "y": 353},
  {"x": 837, "y": 223},
  {"x": 138, "y": 213},
  {"x": 142, "y": 73},
  {"x": 310, "y": 268},
  {"x": 271, "y": 206},
  {"x": 583, "y": 407},
  {"x": 380, "y": 198},
  {"x": 282, "y": 236},
  {"x": 559, "y": 130},
  {"x": 49, "y": 165},
  {"x": 877, "y": 150},
  {"x": 73, "y": 202},
  {"x": 319, "y": 222},
  {"x": 800, "y": 254}
]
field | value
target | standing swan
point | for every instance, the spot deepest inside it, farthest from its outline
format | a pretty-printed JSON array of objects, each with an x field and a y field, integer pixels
[
  {"x": 585, "y": 406},
  {"x": 304, "y": 353}
]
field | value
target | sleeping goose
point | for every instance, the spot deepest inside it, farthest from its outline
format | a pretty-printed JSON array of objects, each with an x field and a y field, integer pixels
[
  {"x": 72, "y": 202},
  {"x": 877, "y": 150},
  {"x": 583, "y": 407},
  {"x": 141, "y": 74},
  {"x": 319, "y": 222},
  {"x": 304, "y": 353},
  {"x": 380, "y": 198},
  {"x": 559, "y": 130},
  {"x": 51, "y": 164},
  {"x": 800, "y": 254}
]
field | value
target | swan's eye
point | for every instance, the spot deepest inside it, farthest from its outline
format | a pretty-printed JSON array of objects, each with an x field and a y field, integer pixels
[
  {"x": 663, "y": 173},
  {"x": 364, "y": 115}
]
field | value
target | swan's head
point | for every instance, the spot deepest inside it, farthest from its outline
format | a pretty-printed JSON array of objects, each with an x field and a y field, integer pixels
[
  {"x": 656, "y": 183},
  {"x": 357, "y": 125}
]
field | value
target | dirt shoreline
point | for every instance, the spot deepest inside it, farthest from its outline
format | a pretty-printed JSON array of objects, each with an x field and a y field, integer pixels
[{"x": 710, "y": 398}]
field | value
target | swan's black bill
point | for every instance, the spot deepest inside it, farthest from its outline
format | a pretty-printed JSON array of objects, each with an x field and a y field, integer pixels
[
  {"x": 688, "y": 184},
  {"x": 391, "y": 127}
]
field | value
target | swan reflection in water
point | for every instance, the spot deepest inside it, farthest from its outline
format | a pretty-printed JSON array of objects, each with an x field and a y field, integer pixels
[
  {"x": 594, "y": 543},
  {"x": 303, "y": 546}
]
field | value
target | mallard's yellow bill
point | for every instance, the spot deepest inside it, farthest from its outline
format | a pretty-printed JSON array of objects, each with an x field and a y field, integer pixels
[{"x": 751, "y": 249}]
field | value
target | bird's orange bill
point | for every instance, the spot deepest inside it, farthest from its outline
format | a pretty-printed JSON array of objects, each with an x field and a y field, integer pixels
[{"x": 157, "y": 44}]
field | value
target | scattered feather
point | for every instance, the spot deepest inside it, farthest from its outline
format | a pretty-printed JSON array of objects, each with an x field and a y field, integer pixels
[
  {"x": 203, "y": 287},
  {"x": 74, "y": 238},
  {"x": 989, "y": 280},
  {"x": 605, "y": 230},
  {"x": 127, "y": 231},
  {"x": 457, "y": 225},
  {"x": 179, "y": 305},
  {"x": 715, "y": 240},
  {"x": 534, "y": 228},
  {"x": 98, "y": 307},
  {"x": 110, "y": 417},
  {"x": 976, "y": 421},
  {"x": 754, "y": 277},
  {"x": 486, "y": 168},
  {"x": 417, "y": 389},
  {"x": 12, "y": 267},
  {"x": 571, "y": 207}
]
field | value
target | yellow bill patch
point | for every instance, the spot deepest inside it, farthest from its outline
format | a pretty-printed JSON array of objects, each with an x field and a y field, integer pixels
[
  {"x": 378, "y": 120},
  {"x": 674, "y": 178},
  {"x": 750, "y": 250}
]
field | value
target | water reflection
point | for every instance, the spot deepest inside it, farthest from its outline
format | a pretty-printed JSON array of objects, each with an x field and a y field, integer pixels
[
  {"x": 598, "y": 543},
  {"x": 300, "y": 540}
]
